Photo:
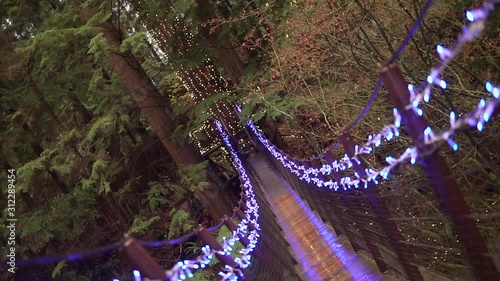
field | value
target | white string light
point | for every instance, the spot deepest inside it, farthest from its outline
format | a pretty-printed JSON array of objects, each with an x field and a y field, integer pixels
[
  {"x": 184, "y": 269},
  {"x": 480, "y": 115}
]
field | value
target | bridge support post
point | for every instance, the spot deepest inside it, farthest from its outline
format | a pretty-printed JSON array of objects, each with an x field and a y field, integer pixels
[
  {"x": 443, "y": 181},
  {"x": 383, "y": 214},
  {"x": 137, "y": 257}
]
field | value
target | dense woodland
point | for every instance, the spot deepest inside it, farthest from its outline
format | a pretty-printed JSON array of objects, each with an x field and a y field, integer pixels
[{"x": 99, "y": 101}]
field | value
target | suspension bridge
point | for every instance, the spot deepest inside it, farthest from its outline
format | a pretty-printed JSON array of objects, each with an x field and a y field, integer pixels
[{"x": 325, "y": 218}]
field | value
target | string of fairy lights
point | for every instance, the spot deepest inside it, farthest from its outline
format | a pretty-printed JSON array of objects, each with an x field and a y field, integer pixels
[
  {"x": 184, "y": 270},
  {"x": 476, "y": 118},
  {"x": 200, "y": 81},
  {"x": 253, "y": 208}
]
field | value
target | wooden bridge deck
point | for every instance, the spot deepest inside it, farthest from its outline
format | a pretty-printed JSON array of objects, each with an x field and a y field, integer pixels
[{"x": 321, "y": 255}]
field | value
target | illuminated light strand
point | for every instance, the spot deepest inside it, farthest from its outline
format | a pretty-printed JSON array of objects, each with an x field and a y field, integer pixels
[
  {"x": 184, "y": 269},
  {"x": 480, "y": 115},
  {"x": 389, "y": 132},
  {"x": 304, "y": 173},
  {"x": 477, "y": 17},
  {"x": 477, "y": 21},
  {"x": 252, "y": 206},
  {"x": 476, "y": 118}
]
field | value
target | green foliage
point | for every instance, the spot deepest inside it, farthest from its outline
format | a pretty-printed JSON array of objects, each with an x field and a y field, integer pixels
[
  {"x": 97, "y": 81},
  {"x": 181, "y": 222},
  {"x": 225, "y": 232},
  {"x": 27, "y": 171},
  {"x": 203, "y": 275},
  {"x": 193, "y": 248},
  {"x": 194, "y": 176},
  {"x": 65, "y": 167},
  {"x": 102, "y": 11},
  {"x": 64, "y": 217},
  {"x": 198, "y": 114},
  {"x": 183, "y": 6},
  {"x": 100, "y": 174},
  {"x": 36, "y": 233},
  {"x": 136, "y": 43},
  {"x": 102, "y": 128},
  {"x": 157, "y": 195},
  {"x": 59, "y": 267},
  {"x": 141, "y": 224},
  {"x": 99, "y": 47},
  {"x": 270, "y": 106}
]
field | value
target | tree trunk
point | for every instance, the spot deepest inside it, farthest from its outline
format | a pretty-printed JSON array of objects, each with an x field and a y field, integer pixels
[{"x": 146, "y": 95}]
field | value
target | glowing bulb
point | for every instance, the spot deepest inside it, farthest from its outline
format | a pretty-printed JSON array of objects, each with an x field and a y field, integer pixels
[
  {"x": 427, "y": 98},
  {"x": 452, "y": 144},
  {"x": 440, "y": 49},
  {"x": 486, "y": 117},
  {"x": 137, "y": 275},
  {"x": 427, "y": 131},
  {"x": 390, "y": 136},
  {"x": 489, "y": 87},
  {"x": 469, "y": 15},
  {"x": 496, "y": 93}
]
